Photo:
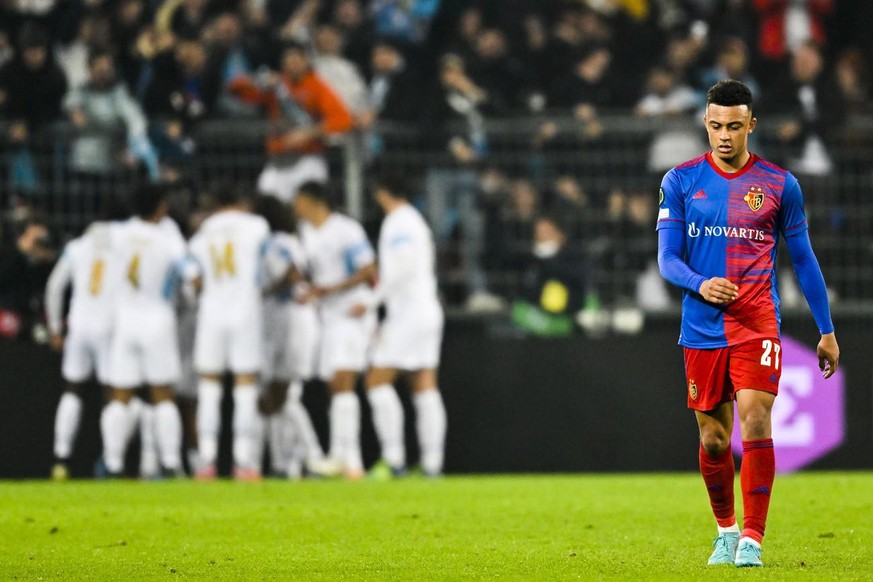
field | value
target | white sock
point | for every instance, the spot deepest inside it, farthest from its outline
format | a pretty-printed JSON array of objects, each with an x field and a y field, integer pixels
[
  {"x": 388, "y": 420},
  {"x": 731, "y": 529},
  {"x": 168, "y": 423},
  {"x": 116, "y": 425},
  {"x": 247, "y": 433},
  {"x": 431, "y": 424},
  {"x": 67, "y": 419},
  {"x": 301, "y": 423},
  {"x": 345, "y": 429},
  {"x": 144, "y": 414},
  {"x": 751, "y": 541},
  {"x": 208, "y": 420}
]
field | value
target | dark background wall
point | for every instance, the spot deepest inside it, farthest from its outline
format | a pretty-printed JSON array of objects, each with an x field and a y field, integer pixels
[{"x": 515, "y": 403}]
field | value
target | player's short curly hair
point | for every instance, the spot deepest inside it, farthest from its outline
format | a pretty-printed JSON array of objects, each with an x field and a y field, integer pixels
[{"x": 729, "y": 93}]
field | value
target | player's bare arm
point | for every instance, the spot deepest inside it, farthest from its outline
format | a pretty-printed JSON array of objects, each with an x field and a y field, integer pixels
[
  {"x": 365, "y": 274},
  {"x": 718, "y": 290},
  {"x": 828, "y": 355}
]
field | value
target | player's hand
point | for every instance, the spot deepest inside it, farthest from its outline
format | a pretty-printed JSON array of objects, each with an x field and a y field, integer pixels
[
  {"x": 718, "y": 290},
  {"x": 828, "y": 355},
  {"x": 56, "y": 342},
  {"x": 358, "y": 310}
]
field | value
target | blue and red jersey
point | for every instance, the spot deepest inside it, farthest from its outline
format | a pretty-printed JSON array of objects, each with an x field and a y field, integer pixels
[{"x": 732, "y": 223}]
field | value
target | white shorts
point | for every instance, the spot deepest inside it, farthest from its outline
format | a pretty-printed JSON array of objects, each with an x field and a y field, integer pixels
[
  {"x": 234, "y": 346},
  {"x": 305, "y": 331},
  {"x": 345, "y": 344},
  {"x": 86, "y": 353},
  {"x": 409, "y": 342},
  {"x": 283, "y": 182},
  {"x": 145, "y": 351},
  {"x": 277, "y": 339},
  {"x": 187, "y": 385}
]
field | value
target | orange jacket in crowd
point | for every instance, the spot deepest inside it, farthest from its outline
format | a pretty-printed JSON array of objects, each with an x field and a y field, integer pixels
[{"x": 306, "y": 102}]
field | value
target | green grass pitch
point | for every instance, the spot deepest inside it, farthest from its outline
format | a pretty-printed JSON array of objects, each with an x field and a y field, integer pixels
[{"x": 588, "y": 527}]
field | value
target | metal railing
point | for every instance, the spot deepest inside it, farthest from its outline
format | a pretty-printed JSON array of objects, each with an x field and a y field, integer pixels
[{"x": 615, "y": 170}]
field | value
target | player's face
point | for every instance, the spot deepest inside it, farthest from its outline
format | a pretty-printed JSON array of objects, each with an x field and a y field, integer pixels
[
  {"x": 728, "y": 128},
  {"x": 302, "y": 207}
]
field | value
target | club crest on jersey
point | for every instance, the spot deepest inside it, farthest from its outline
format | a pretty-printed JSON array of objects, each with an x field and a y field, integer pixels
[
  {"x": 692, "y": 389},
  {"x": 755, "y": 198}
]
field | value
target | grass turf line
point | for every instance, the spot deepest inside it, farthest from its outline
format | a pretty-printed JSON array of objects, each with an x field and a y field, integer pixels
[{"x": 518, "y": 527}]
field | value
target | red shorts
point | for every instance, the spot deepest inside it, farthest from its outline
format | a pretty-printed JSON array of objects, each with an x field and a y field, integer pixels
[{"x": 715, "y": 375}]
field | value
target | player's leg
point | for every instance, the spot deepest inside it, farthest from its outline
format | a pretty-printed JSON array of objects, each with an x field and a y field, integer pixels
[
  {"x": 431, "y": 423},
  {"x": 306, "y": 448},
  {"x": 388, "y": 420},
  {"x": 304, "y": 348},
  {"x": 116, "y": 426},
  {"x": 756, "y": 369},
  {"x": 345, "y": 423},
  {"x": 117, "y": 420},
  {"x": 76, "y": 367},
  {"x": 67, "y": 419},
  {"x": 168, "y": 429},
  {"x": 209, "y": 361},
  {"x": 757, "y": 471},
  {"x": 209, "y": 394},
  {"x": 276, "y": 425},
  {"x": 144, "y": 416},
  {"x": 710, "y": 396},
  {"x": 247, "y": 427}
]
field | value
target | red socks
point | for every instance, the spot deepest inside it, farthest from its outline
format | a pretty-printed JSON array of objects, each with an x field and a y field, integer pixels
[
  {"x": 718, "y": 474},
  {"x": 756, "y": 480}
]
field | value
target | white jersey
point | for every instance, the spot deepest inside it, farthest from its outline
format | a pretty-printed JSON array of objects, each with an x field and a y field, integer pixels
[
  {"x": 337, "y": 250},
  {"x": 228, "y": 250},
  {"x": 86, "y": 264},
  {"x": 148, "y": 259},
  {"x": 407, "y": 262}
]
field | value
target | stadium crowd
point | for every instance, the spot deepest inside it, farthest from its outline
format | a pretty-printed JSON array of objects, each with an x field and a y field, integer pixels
[{"x": 443, "y": 71}]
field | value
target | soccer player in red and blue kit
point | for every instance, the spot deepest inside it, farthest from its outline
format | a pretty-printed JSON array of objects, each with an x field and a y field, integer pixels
[{"x": 719, "y": 221}]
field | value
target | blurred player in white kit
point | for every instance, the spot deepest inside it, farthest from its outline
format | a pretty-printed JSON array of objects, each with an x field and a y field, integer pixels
[
  {"x": 341, "y": 262},
  {"x": 85, "y": 265},
  {"x": 409, "y": 337},
  {"x": 291, "y": 341},
  {"x": 227, "y": 253},
  {"x": 148, "y": 254}
]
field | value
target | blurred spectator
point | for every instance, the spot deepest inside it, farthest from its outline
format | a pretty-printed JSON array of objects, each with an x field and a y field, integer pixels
[
  {"x": 183, "y": 90},
  {"x": 185, "y": 18},
  {"x": 32, "y": 87},
  {"x": 567, "y": 197},
  {"x": 786, "y": 25},
  {"x": 129, "y": 19},
  {"x": 467, "y": 31},
  {"x": 815, "y": 110},
  {"x": 406, "y": 21},
  {"x": 304, "y": 112},
  {"x": 555, "y": 283},
  {"x": 731, "y": 62},
  {"x": 25, "y": 264},
  {"x": 666, "y": 98},
  {"x": 7, "y": 52},
  {"x": 498, "y": 74},
  {"x": 455, "y": 106},
  {"x": 94, "y": 36},
  {"x": 339, "y": 72},
  {"x": 357, "y": 31},
  {"x": 586, "y": 90},
  {"x": 97, "y": 110},
  {"x": 391, "y": 95},
  {"x": 665, "y": 95},
  {"x": 853, "y": 76}
]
